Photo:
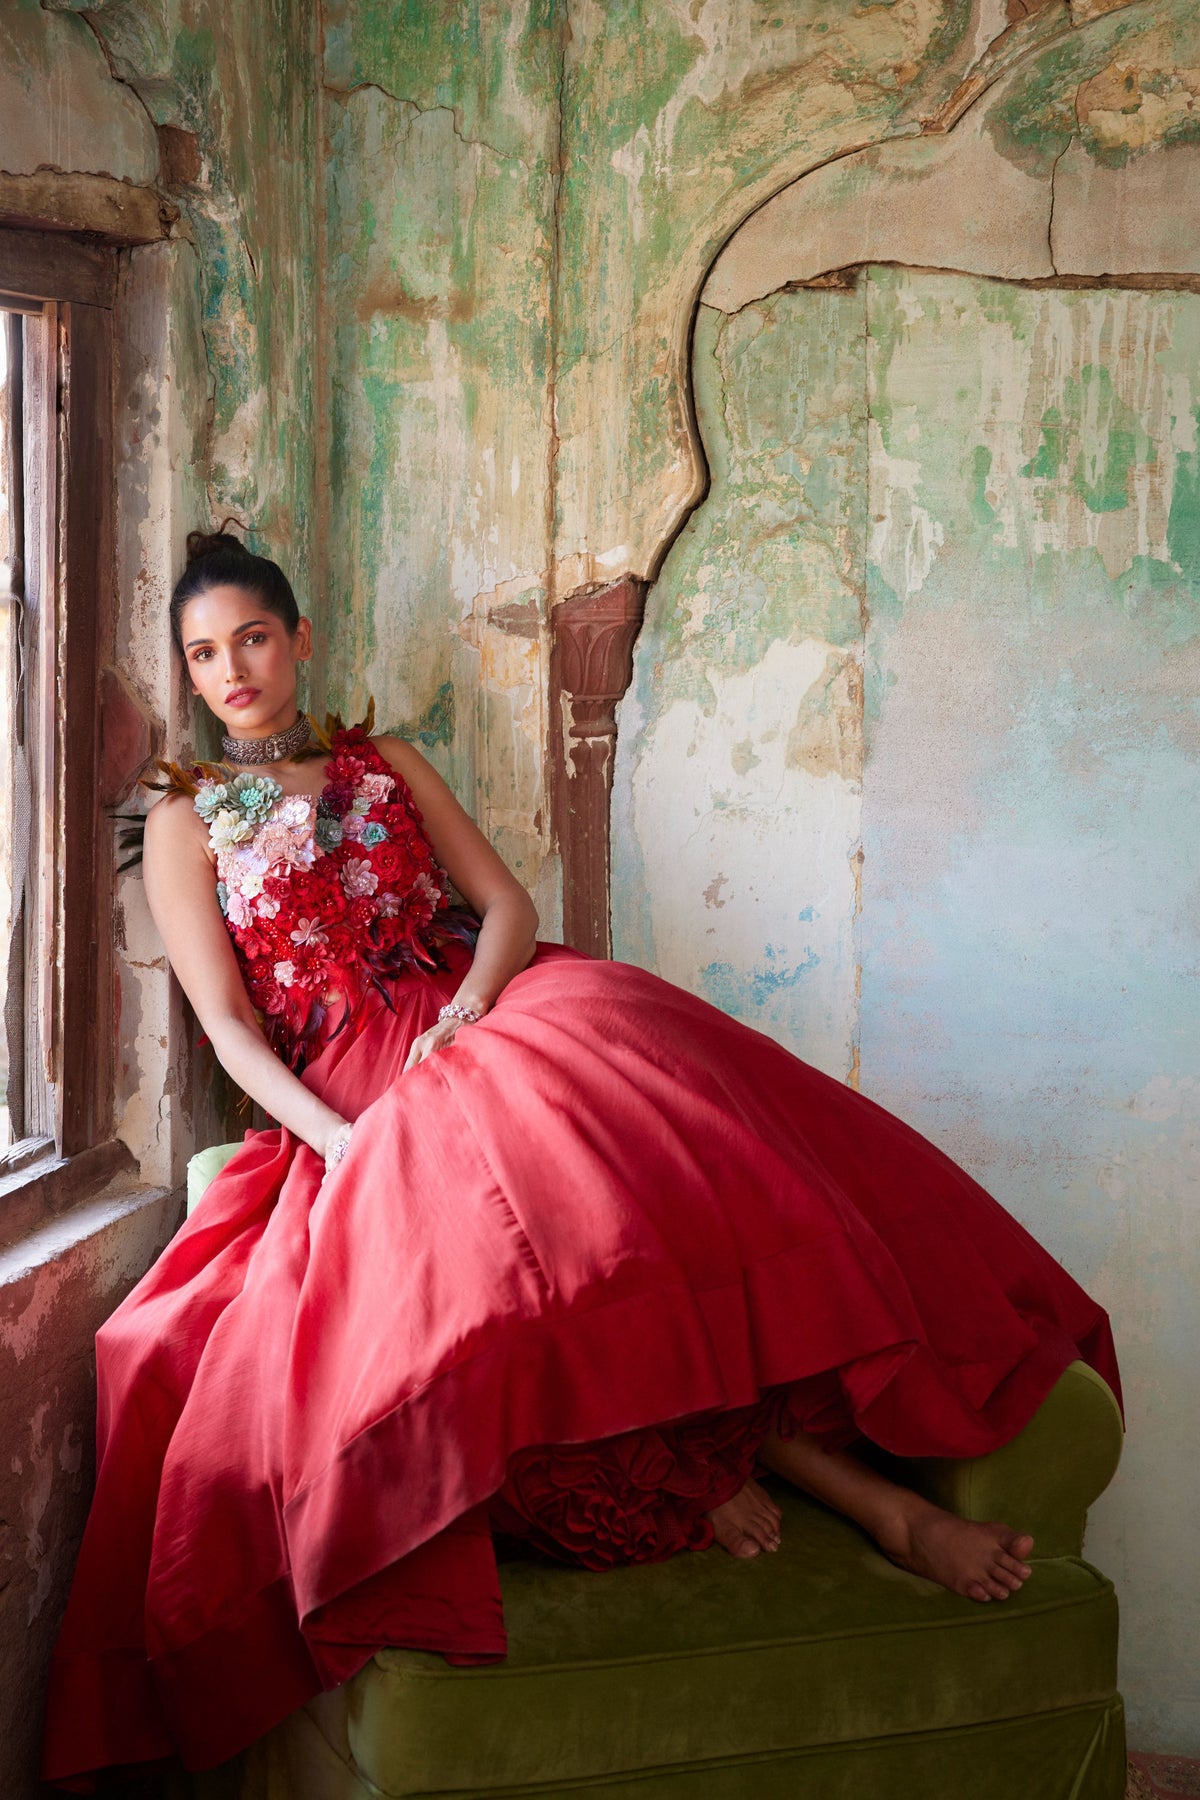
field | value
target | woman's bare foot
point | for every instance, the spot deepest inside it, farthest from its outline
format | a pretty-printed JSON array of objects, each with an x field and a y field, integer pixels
[
  {"x": 980, "y": 1561},
  {"x": 749, "y": 1523}
]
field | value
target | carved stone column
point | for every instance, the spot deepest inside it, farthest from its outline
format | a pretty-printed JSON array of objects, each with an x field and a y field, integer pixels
[{"x": 591, "y": 661}]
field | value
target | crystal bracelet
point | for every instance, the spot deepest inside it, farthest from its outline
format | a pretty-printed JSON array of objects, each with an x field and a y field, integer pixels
[{"x": 462, "y": 1013}]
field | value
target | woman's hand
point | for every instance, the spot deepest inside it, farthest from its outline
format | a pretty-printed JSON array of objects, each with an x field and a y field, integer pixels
[{"x": 436, "y": 1038}]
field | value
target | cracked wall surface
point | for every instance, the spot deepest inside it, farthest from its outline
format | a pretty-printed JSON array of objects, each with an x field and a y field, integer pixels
[
  {"x": 439, "y": 250},
  {"x": 907, "y": 775},
  {"x": 430, "y": 325}
]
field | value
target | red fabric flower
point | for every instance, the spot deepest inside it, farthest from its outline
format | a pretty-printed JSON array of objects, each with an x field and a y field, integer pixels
[{"x": 393, "y": 864}]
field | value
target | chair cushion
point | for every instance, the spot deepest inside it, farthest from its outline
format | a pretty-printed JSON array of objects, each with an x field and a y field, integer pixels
[
  {"x": 203, "y": 1167},
  {"x": 706, "y": 1658}
]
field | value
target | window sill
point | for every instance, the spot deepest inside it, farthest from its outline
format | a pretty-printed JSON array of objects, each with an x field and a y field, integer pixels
[
  {"x": 57, "y": 1235},
  {"x": 44, "y": 1189}
]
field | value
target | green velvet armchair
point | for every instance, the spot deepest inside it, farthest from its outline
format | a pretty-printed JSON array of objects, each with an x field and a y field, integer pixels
[{"x": 822, "y": 1672}]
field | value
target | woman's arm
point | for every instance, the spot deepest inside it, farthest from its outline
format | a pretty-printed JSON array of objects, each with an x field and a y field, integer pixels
[
  {"x": 509, "y": 918},
  {"x": 182, "y": 892}
]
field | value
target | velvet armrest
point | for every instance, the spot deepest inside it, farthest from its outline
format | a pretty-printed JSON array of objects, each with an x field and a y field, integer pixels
[{"x": 1045, "y": 1479}]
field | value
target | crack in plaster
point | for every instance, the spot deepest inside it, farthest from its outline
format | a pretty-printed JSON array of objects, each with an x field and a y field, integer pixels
[
  {"x": 454, "y": 113},
  {"x": 106, "y": 53},
  {"x": 1050, "y": 220},
  {"x": 553, "y": 441},
  {"x": 1036, "y": 31}
]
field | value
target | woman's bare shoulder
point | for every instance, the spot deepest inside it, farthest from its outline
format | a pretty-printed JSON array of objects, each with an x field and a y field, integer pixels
[
  {"x": 406, "y": 759},
  {"x": 399, "y": 752},
  {"x": 173, "y": 824}
]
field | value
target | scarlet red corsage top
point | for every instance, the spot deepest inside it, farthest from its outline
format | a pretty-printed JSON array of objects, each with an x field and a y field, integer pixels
[{"x": 326, "y": 897}]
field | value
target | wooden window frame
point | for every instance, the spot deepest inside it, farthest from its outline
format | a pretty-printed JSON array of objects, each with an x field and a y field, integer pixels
[{"x": 66, "y": 291}]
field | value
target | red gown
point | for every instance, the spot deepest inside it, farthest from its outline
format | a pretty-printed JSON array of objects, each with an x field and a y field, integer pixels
[{"x": 569, "y": 1270}]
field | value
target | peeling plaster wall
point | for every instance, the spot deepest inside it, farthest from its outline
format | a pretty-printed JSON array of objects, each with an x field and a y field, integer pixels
[
  {"x": 56, "y": 1289},
  {"x": 439, "y": 128},
  {"x": 216, "y": 359},
  {"x": 521, "y": 206},
  {"x": 907, "y": 775}
]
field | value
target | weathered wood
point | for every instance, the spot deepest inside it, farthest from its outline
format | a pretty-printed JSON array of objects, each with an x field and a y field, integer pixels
[
  {"x": 591, "y": 660},
  {"x": 46, "y": 266},
  {"x": 114, "y": 210},
  {"x": 85, "y": 628},
  {"x": 40, "y": 1183},
  {"x": 40, "y": 443}
]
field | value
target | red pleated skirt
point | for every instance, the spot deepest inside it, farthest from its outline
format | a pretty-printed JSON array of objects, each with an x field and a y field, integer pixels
[{"x": 569, "y": 1273}]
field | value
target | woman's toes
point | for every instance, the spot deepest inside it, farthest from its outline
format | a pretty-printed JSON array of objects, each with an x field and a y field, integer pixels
[{"x": 1021, "y": 1570}]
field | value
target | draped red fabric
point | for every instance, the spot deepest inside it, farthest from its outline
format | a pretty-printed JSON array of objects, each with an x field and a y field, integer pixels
[{"x": 605, "y": 1212}]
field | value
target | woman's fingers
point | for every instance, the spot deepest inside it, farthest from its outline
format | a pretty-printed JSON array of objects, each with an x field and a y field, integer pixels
[{"x": 434, "y": 1039}]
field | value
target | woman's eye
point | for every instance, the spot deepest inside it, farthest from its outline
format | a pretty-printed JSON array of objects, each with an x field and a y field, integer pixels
[
  {"x": 201, "y": 655},
  {"x": 255, "y": 637}
]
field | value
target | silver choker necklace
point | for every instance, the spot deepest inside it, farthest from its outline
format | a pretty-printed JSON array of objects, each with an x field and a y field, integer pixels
[{"x": 268, "y": 749}]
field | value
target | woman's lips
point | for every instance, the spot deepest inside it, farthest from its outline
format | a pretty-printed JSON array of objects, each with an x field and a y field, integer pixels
[{"x": 241, "y": 697}]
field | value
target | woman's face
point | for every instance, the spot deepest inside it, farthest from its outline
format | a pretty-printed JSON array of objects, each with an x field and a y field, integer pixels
[{"x": 242, "y": 660}]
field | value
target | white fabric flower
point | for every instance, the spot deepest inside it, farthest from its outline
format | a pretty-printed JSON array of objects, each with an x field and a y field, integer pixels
[
  {"x": 295, "y": 811},
  {"x": 285, "y": 973},
  {"x": 228, "y": 828}
]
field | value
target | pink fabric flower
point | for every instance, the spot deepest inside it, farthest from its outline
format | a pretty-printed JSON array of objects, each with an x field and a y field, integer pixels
[
  {"x": 377, "y": 788},
  {"x": 308, "y": 931},
  {"x": 358, "y": 878},
  {"x": 238, "y": 911},
  {"x": 285, "y": 973}
]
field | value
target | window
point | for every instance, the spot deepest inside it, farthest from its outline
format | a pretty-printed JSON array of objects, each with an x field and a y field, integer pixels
[{"x": 56, "y": 577}]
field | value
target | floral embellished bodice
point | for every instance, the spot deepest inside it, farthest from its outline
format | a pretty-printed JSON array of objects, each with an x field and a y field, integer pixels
[{"x": 327, "y": 897}]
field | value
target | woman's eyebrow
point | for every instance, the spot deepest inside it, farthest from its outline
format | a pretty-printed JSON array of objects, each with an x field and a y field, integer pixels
[{"x": 192, "y": 642}]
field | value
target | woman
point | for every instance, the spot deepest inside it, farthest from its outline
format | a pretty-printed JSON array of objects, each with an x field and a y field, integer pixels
[{"x": 542, "y": 1245}]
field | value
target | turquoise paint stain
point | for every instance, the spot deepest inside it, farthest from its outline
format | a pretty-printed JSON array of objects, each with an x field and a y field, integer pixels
[
  {"x": 1103, "y": 485},
  {"x": 436, "y": 724},
  {"x": 1183, "y": 520},
  {"x": 981, "y": 467},
  {"x": 1097, "y": 437},
  {"x": 805, "y": 915},
  {"x": 1050, "y": 454},
  {"x": 732, "y": 989}
]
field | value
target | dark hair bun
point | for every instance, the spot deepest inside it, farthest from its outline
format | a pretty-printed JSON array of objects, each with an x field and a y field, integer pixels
[
  {"x": 209, "y": 543},
  {"x": 218, "y": 559}
]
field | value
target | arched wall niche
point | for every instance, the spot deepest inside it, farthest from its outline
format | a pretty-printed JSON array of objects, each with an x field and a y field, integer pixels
[{"x": 907, "y": 772}]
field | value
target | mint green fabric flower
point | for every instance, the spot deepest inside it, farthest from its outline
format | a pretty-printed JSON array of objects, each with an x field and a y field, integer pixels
[
  {"x": 211, "y": 796},
  {"x": 255, "y": 795}
]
